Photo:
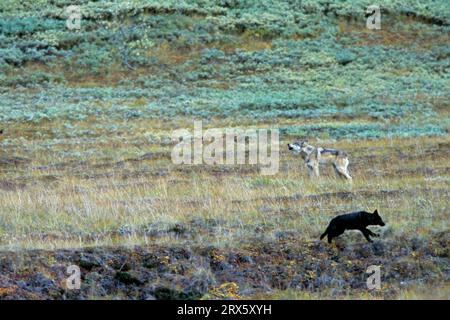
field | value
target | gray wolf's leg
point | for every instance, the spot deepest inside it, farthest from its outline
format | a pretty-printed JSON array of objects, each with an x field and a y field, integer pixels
[
  {"x": 347, "y": 175},
  {"x": 338, "y": 171},
  {"x": 313, "y": 169},
  {"x": 313, "y": 166},
  {"x": 316, "y": 170},
  {"x": 342, "y": 172}
]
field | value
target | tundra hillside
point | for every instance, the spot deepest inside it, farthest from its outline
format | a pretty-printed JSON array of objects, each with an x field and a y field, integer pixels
[{"x": 86, "y": 175}]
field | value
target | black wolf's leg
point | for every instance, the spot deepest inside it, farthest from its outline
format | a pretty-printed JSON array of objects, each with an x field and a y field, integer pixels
[
  {"x": 373, "y": 234},
  {"x": 366, "y": 234},
  {"x": 330, "y": 237}
]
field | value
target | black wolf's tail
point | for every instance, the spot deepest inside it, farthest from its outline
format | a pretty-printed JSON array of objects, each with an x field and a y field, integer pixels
[{"x": 324, "y": 234}]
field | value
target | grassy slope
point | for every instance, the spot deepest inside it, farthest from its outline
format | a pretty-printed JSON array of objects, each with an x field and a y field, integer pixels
[{"x": 85, "y": 160}]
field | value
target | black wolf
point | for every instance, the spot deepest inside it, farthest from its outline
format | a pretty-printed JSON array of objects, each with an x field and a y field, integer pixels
[{"x": 353, "y": 221}]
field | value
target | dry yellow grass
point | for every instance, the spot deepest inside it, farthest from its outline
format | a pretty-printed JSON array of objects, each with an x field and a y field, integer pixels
[
  {"x": 111, "y": 192},
  {"x": 114, "y": 196}
]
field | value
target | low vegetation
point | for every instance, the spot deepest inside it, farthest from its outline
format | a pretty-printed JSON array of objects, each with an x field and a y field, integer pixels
[{"x": 86, "y": 176}]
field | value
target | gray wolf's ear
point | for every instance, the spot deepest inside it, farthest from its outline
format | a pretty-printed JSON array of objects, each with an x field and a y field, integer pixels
[{"x": 375, "y": 212}]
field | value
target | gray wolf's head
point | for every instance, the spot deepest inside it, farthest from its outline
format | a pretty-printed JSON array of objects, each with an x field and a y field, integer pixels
[
  {"x": 296, "y": 147},
  {"x": 375, "y": 219}
]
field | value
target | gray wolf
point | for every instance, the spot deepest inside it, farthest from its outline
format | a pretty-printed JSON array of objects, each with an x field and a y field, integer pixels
[
  {"x": 315, "y": 156},
  {"x": 353, "y": 221}
]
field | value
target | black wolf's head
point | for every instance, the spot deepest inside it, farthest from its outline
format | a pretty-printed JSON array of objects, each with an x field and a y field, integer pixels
[{"x": 375, "y": 219}]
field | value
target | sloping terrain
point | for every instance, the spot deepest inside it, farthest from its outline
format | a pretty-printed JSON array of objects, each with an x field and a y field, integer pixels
[{"x": 86, "y": 175}]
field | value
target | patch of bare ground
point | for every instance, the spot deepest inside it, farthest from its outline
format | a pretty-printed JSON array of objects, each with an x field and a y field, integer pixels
[
  {"x": 192, "y": 272},
  {"x": 13, "y": 161},
  {"x": 9, "y": 185},
  {"x": 399, "y": 30}
]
